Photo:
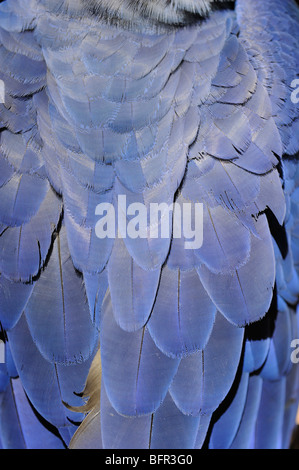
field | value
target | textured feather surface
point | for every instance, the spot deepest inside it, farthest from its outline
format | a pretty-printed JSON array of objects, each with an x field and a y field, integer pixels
[
  {"x": 205, "y": 391},
  {"x": 132, "y": 310},
  {"x": 49, "y": 380},
  {"x": 250, "y": 286},
  {"x": 192, "y": 346},
  {"x": 136, "y": 374},
  {"x": 181, "y": 325},
  {"x": 58, "y": 305},
  {"x": 275, "y": 55}
]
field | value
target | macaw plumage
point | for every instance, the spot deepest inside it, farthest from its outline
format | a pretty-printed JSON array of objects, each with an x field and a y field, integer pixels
[{"x": 137, "y": 341}]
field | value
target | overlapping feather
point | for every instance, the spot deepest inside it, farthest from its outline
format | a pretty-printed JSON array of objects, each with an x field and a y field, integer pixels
[{"x": 193, "y": 343}]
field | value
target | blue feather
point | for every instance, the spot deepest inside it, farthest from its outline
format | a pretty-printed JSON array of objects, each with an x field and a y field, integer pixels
[
  {"x": 21, "y": 198},
  {"x": 122, "y": 432},
  {"x": 11, "y": 431},
  {"x": 182, "y": 323},
  {"x": 96, "y": 286},
  {"x": 14, "y": 297},
  {"x": 34, "y": 432},
  {"x": 132, "y": 289},
  {"x": 51, "y": 380},
  {"x": 24, "y": 249},
  {"x": 255, "y": 355},
  {"x": 203, "y": 379},
  {"x": 192, "y": 346},
  {"x": 245, "y": 295},
  {"x": 14, "y": 17},
  {"x": 136, "y": 374},
  {"x": 171, "y": 429},
  {"x": 268, "y": 434},
  {"x": 224, "y": 431},
  {"x": 58, "y": 304},
  {"x": 243, "y": 438}
]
